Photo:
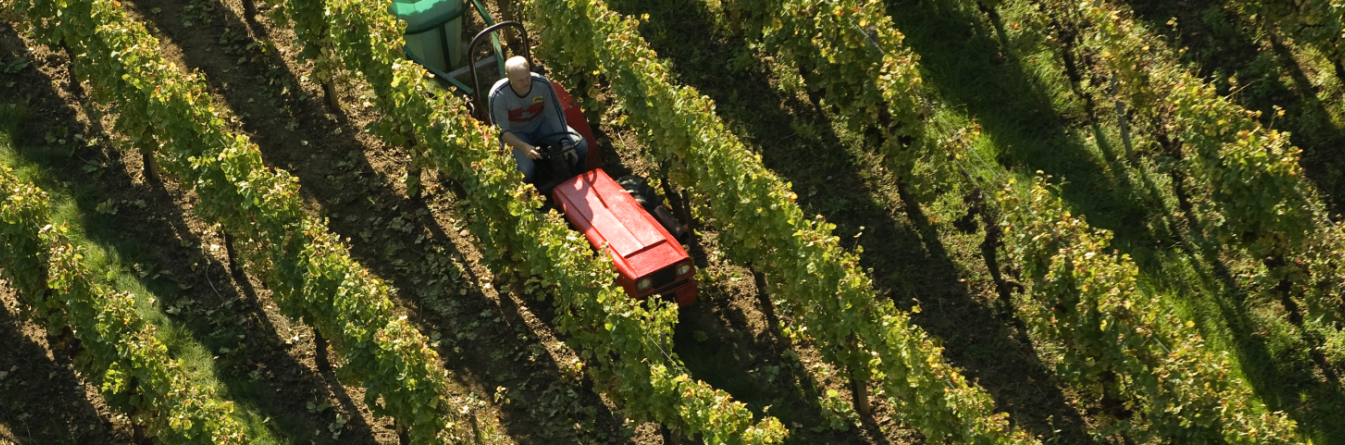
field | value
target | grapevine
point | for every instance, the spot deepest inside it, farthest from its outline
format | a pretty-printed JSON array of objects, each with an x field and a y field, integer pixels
[
  {"x": 1320, "y": 23},
  {"x": 168, "y": 113},
  {"x": 1088, "y": 313},
  {"x": 1250, "y": 189},
  {"x": 803, "y": 33},
  {"x": 811, "y": 277},
  {"x": 119, "y": 350},
  {"x": 599, "y": 318}
]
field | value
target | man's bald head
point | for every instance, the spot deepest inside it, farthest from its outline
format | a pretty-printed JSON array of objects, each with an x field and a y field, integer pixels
[{"x": 519, "y": 72}]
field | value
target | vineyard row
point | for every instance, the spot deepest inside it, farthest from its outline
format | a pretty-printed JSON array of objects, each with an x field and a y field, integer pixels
[
  {"x": 1320, "y": 23},
  {"x": 119, "y": 350},
  {"x": 624, "y": 342},
  {"x": 1083, "y": 309},
  {"x": 168, "y": 115},
  {"x": 1247, "y": 185},
  {"x": 810, "y": 276}
]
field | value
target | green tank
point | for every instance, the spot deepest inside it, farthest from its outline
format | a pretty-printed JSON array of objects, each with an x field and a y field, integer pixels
[{"x": 434, "y": 30}]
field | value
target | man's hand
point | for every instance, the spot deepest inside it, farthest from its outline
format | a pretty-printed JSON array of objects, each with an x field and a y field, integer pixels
[
  {"x": 567, "y": 145},
  {"x": 513, "y": 141}
]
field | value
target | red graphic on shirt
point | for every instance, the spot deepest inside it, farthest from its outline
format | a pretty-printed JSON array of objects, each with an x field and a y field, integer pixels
[{"x": 525, "y": 114}]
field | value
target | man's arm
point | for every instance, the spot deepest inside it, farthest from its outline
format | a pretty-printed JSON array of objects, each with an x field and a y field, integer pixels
[
  {"x": 500, "y": 116},
  {"x": 513, "y": 141}
]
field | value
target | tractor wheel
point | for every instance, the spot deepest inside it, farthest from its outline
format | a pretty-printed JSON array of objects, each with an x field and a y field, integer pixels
[{"x": 643, "y": 193}]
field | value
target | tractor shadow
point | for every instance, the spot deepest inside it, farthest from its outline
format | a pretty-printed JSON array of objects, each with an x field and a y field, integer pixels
[
  {"x": 415, "y": 244},
  {"x": 219, "y": 312},
  {"x": 907, "y": 258}
]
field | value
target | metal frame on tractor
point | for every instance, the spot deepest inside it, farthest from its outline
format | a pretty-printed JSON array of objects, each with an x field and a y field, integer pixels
[{"x": 452, "y": 76}]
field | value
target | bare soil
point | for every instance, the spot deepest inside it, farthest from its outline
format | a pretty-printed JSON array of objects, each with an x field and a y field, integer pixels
[{"x": 42, "y": 400}]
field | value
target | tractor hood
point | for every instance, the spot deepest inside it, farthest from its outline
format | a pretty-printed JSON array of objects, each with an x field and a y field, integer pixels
[{"x": 605, "y": 213}]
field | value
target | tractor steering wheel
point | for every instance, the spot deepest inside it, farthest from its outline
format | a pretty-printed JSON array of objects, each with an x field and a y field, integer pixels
[{"x": 567, "y": 147}]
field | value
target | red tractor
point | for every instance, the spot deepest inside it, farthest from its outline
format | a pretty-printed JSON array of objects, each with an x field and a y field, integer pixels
[{"x": 625, "y": 218}]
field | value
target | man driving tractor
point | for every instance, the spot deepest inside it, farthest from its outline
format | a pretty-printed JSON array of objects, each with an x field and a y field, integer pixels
[{"x": 525, "y": 107}]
